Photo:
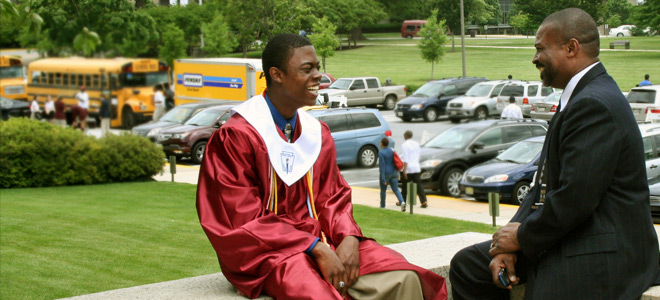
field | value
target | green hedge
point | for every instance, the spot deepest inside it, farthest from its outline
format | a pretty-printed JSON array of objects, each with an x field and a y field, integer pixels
[
  {"x": 382, "y": 28},
  {"x": 35, "y": 154}
]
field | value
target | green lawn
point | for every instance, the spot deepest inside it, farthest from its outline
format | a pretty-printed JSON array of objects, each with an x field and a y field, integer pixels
[
  {"x": 65, "y": 241},
  {"x": 399, "y": 59}
]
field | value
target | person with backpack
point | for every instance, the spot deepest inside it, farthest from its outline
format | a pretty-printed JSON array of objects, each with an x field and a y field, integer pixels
[{"x": 389, "y": 173}]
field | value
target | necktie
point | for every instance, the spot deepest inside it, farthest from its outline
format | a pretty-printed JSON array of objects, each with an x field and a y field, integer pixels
[
  {"x": 287, "y": 132},
  {"x": 542, "y": 173}
]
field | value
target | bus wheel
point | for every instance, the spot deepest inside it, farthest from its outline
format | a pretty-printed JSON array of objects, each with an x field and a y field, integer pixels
[{"x": 127, "y": 118}]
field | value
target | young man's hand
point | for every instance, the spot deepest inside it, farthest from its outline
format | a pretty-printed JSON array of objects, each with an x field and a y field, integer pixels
[
  {"x": 349, "y": 254},
  {"x": 331, "y": 267}
]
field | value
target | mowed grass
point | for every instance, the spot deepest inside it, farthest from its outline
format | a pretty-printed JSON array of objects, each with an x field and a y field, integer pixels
[{"x": 65, "y": 241}]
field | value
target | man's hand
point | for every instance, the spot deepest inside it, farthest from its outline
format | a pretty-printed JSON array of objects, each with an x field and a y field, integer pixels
[
  {"x": 505, "y": 240},
  {"x": 331, "y": 267},
  {"x": 384, "y": 182},
  {"x": 508, "y": 261},
  {"x": 349, "y": 255}
]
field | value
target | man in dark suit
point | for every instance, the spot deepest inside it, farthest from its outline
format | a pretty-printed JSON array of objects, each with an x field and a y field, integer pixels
[{"x": 585, "y": 231}]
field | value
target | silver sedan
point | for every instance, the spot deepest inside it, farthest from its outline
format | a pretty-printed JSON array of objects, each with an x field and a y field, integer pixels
[{"x": 546, "y": 108}]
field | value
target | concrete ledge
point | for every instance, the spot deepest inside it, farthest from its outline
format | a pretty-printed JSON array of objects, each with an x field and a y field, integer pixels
[{"x": 434, "y": 254}]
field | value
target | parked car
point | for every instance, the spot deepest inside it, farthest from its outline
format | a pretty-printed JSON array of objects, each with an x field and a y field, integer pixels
[
  {"x": 14, "y": 108},
  {"x": 445, "y": 157},
  {"x": 509, "y": 174},
  {"x": 430, "y": 100},
  {"x": 357, "y": 133},
  {"x": 479, "y": 102},
  {"x": 526, "y": 94},
  {"x": 621, "y": 31},
  {"x": 654, "y": 190},
  {"x": 326, "y": 81},
  {"x": 547, "y": 107},
  {"x": 643, "y": 100},
  {"x": 651, "y": 139},
  {"x": 176, "y": 116},
  {"x": 410, "y": 28},
  {"x": 366, "y": 91},
  {"x": 189, "y": 139}
]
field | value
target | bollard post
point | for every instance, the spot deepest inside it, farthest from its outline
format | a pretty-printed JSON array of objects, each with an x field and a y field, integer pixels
[
  {"x": 494, "y": 205},
  {"x": 172, "y": 166},
  {"x": 412, "y": 195}
]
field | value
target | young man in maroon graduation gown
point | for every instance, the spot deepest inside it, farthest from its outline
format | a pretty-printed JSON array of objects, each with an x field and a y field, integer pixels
[{"x": 275, "y": 207}]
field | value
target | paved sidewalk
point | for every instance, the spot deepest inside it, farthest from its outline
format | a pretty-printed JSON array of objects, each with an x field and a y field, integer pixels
[{"x": 439, "y": 206}]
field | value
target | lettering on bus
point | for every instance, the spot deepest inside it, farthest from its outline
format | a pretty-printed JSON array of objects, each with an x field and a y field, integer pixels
[
  {"x": 145, "y": 66},
  {"x": 193, "y": 80}
]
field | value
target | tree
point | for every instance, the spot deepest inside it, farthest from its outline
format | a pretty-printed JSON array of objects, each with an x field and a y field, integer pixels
[
  {"x": 433, "y": 40},
  {"x": 616, "y": 8},
  {"x": 324, "y": 39},
  {"x": 218, "y": 38},
  {"x": 86, "y": 42},
  {"x": 174, "y": 44},
  {"x": 614, "y": 21},
  {"x": 475, "y": 11},
  {"x": 399, "y": 11},
  {"x": 646, "y": 15},
  {"x": 522, "y": 21},
  {"x": 537, "y": 10}
]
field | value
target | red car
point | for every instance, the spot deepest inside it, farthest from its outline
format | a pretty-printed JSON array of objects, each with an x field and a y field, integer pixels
[
  {"x": 326, "y": 81},
  {"x": 189, "y": 139}
]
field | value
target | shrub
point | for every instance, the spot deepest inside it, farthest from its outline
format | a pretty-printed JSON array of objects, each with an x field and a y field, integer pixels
[{"x": 35, "y": 154}]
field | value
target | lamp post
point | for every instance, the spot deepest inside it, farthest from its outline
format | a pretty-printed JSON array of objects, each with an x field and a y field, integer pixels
[{"x": 463, "y": 37}]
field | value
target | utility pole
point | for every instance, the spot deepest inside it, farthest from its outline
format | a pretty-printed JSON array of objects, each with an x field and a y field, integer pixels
[{"x": 463, "y": 36}]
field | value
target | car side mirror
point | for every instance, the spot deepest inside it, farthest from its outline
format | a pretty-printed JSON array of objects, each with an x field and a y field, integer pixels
[
  {"x": 476, "y": 146},
  {"x": 440, "y": 95},
  {"x": 219, "y": 123}
]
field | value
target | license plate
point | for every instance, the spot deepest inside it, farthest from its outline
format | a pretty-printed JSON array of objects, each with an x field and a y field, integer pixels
[
  {"x": 541, "y": 109},
  {"x": 399, "y": 114},
  {"x": 469, "y": 191},
  {"x": 452, "y": 113}
]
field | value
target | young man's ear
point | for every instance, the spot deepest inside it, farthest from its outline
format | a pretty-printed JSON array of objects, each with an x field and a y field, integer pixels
[{"x": 276, "y": 74}]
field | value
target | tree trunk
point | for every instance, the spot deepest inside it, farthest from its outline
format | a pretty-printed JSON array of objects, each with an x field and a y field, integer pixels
[
  {"x": 245, "y": 49},
  {"x": 453, "y": 42},
  {"x": 432, "y": 67},
  {"x": 323, "y": 63},
  {"x": 139, "y": 3}
]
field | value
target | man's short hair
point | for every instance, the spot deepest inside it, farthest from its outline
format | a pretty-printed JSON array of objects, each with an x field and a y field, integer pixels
[
  {"x": 279, "y": 50},
  {"x": 575, "y": 23},
  {"x": 512, "y": 99},
  {"x": 385, "y": 142},
  {"x": 646, "y": 76},
  {"x": 407, "y": 134}
]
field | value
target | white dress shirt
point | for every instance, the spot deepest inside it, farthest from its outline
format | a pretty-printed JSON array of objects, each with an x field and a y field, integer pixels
[
  {"x": 566, "y": 94},
  {"x": 410, "y": 155}
]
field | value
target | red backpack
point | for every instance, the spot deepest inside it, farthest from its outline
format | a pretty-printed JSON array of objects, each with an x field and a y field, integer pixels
[{"x": 398, "y": 164}]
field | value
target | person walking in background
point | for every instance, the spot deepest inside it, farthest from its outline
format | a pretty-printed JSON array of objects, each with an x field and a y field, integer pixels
[
  {"x": 34, "y": 109},
  {"x": 82, "y": 110},
  {"x": 388, "y": 174},
  {"x": 411, "y": 168},
  {"x": 585, "y": 230},
  {"x": 159, "y": 102},
  {"x": 512, "y": 111},
  {"x": 646, "y": 81},
  {"x": 60, "y": 116},
  {"x": 104, "y": 114},
  {"x": 49, "y": 109}
]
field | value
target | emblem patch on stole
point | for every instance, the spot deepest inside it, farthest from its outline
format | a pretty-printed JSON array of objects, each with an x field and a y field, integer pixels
[{"x": 287, "y": 161}]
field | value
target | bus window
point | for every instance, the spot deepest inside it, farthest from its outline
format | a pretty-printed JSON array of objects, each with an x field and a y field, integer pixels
[
  {"x": 58, "y": 79},
  {"x": 36, "y": 76},
  {"x": 142, "y": 79},
  {"x": 43, "y": 79},
  {"x": 114, "y": 81},
  {"x": 95, "y": 80},
  {"x": 88, "y": 80},
  {"x": 65, "y": 79},
  {"x": 51, "y": 78}
]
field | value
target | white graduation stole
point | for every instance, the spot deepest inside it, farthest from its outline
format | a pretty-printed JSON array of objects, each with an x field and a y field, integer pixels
[{"x": 291, "y": 161}]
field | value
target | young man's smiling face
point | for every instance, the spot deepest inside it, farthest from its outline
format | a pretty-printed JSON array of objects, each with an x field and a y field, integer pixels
[{"x": 300, "y": 81}]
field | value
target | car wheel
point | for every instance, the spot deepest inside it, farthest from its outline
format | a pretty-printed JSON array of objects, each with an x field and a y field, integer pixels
[
  {"x": 430, "y": 114},
  {"x": 409, "y": 37},
  {"x": 389, "y": 103},
  {"x": 450, "y": 182},
  {"x": 619, "y": 34},
  {"x": 455, "y": 120},
  {"x": 519, "y": 192},
  {"x": 127, "y": 118},
  {"x": 197, "y": 152},
  {"x": 406, "y": 119},
  {"x": 481, "y": 113},
  {"x": 367, "y": 157}
]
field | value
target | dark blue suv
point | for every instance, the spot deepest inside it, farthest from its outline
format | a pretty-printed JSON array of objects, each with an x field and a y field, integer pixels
[{"x": 430, "y": 100}]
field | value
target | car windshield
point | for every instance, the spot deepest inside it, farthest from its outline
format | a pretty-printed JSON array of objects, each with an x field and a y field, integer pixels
[
  {"x": 178, "y": 115},
  {"x": 341, "y": 84},
  {"x": 429, "y": 89},
  {"x": 205, "y": 117},
  {"x": 479, "y": 90},
  {"x": 142, "y": 79},
  {"x": 521, "y": 153},
  {"x": 641, "y": 96},
  {"x": 453, "y": 138}
]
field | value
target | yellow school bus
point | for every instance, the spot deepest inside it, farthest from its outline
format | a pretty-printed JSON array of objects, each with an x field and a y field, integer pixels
[
  {"x": 12, "y": 78},
  {"x": 128, "y": 81}
]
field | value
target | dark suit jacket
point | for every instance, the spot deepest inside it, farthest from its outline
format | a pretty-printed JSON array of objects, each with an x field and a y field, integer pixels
[{"x": 594, "y": 237}]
